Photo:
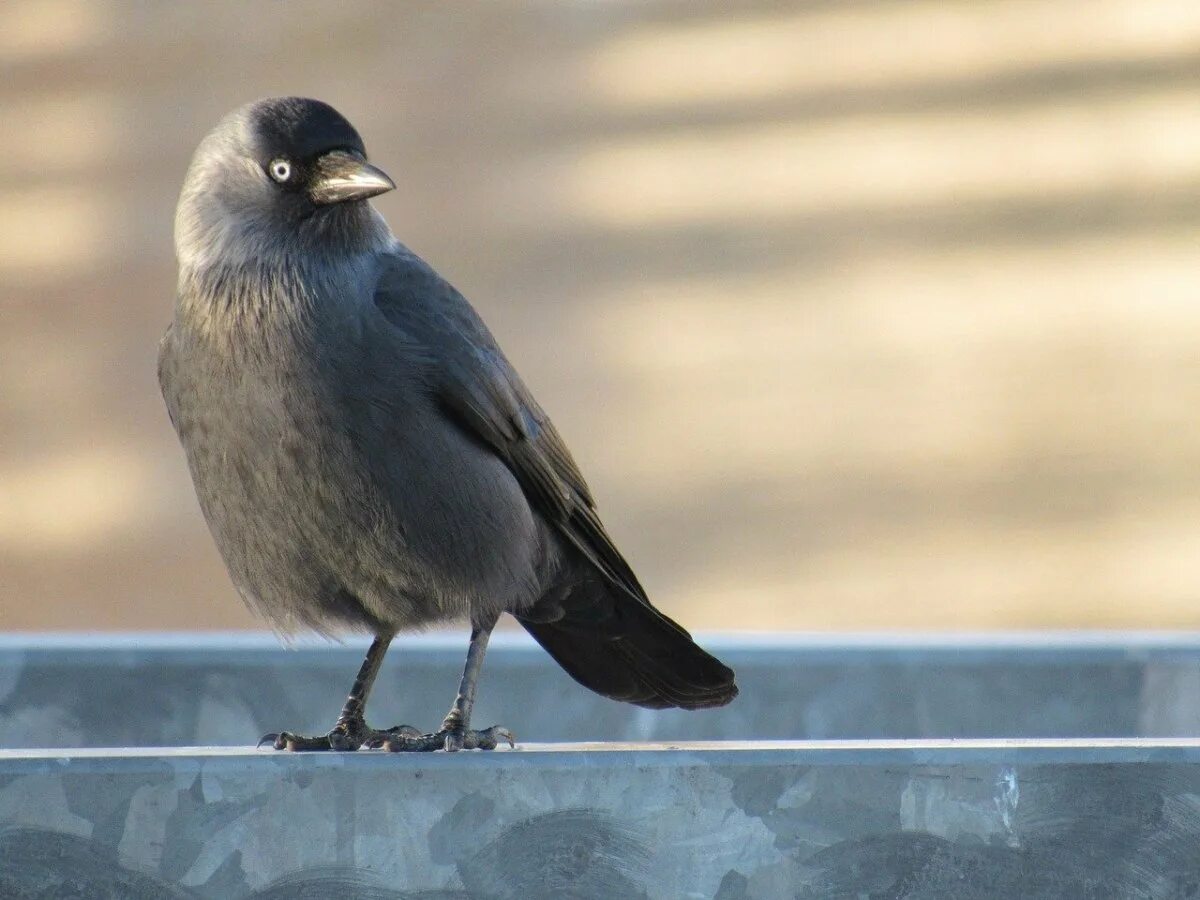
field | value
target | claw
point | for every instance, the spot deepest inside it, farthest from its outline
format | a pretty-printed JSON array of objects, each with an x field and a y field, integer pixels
[
  {"x": 497, "y": 731},
  {"x": 490, "y": 737},
  {"x": 285, "y": 740}
]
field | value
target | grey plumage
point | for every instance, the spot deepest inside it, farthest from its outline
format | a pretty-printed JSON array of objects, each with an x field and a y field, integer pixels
[{"x": 364, "y": 454}]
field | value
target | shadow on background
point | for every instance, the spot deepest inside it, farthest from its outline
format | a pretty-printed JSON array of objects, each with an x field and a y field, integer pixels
[{"x": 856, "y": 314}]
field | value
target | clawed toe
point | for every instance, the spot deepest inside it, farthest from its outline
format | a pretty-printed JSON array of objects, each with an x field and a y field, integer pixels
[
  {"x": 489, "y": 738},
  {"x": 285, "y": 740},
  {"x": 379, "y": 739},
  {"x": 450, "y": 740},
  {"x": 344, "y": 738}
]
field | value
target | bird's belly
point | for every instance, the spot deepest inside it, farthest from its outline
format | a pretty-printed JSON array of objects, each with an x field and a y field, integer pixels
[
  {"x": 306, "y": 537},
  {"x": 324, "y": 522}
]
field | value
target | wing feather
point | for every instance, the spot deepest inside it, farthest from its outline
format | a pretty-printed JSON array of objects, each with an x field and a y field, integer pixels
[{"x": 482, "y": 393}]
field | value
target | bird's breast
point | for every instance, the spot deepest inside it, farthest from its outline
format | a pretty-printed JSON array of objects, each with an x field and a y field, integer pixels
[
  {"x": 336, "y": 467},
  {"x": 276, "y": 457}
]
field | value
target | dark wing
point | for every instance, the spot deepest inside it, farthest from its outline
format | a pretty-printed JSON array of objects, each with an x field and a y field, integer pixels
[
  {"x": 481, "y": 391},
  {"x": 603, "y": 632}
]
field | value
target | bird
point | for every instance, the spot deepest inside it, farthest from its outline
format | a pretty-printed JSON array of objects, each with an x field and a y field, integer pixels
[{"x": 364, "y": 454}]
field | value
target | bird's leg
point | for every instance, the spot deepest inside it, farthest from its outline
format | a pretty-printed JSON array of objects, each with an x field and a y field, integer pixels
[
  {"x": 350, "y": 731},
  {"x": 456, "y": 726},
  {"x": 455, "y": 733}
]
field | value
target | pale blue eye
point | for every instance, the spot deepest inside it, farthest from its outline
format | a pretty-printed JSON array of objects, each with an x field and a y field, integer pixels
[{"x": 280, "y": 169}]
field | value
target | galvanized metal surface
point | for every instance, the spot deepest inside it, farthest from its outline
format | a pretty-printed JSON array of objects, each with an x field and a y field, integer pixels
[
  {"x": 1095, "y": 815},
  {"x": 1063, "y": 820},
  {"x": 181, "y": 690}
]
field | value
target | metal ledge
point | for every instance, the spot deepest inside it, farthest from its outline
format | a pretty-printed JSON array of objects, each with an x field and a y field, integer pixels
[
  {"x": 845, "y": 819},
  {"x": 226, "y": 690},
  {"x": 930, "y": 787}
]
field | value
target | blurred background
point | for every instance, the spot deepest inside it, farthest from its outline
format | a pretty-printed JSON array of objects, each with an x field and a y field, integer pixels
[{"x": 857, "y": 315}]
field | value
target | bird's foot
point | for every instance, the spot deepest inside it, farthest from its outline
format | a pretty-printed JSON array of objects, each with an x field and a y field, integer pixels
[
  {"x": 378, "y": 739},
  {"x": 349, "y": 735},
  {"x": 450, "y": 739}
]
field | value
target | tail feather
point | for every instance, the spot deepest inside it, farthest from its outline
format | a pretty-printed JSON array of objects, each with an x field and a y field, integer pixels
[{"x": 628, "y": 650}]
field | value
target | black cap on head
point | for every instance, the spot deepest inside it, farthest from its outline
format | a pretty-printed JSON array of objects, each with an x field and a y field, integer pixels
[
  {"x": 299, "y": 128},
  {"x": 273, "y": 173}
]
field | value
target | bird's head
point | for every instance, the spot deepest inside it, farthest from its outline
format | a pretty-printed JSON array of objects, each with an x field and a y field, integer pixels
[{"x": 281, "y": 173}]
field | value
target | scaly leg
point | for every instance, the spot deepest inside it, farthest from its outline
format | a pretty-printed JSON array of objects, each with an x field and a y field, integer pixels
[
  {"x": 456, "y": 733},
  {"x": 350, "y": 731}
]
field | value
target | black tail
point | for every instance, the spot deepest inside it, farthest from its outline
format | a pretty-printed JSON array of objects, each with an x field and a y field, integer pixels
[{"x": 627, "y": 650}]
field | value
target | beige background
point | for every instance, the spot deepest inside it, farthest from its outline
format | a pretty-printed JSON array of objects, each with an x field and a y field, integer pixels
[{"x": 857, "y": 314}]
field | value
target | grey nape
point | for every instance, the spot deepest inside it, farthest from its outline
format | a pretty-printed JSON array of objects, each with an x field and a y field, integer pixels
[{"x": 363, "y": 452}]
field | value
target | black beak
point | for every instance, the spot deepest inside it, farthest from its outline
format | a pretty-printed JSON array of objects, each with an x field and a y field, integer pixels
[{"x": 343, "y": 176}]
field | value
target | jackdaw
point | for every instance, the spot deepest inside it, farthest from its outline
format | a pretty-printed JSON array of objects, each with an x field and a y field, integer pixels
[{"x": 364, "y": 454}]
